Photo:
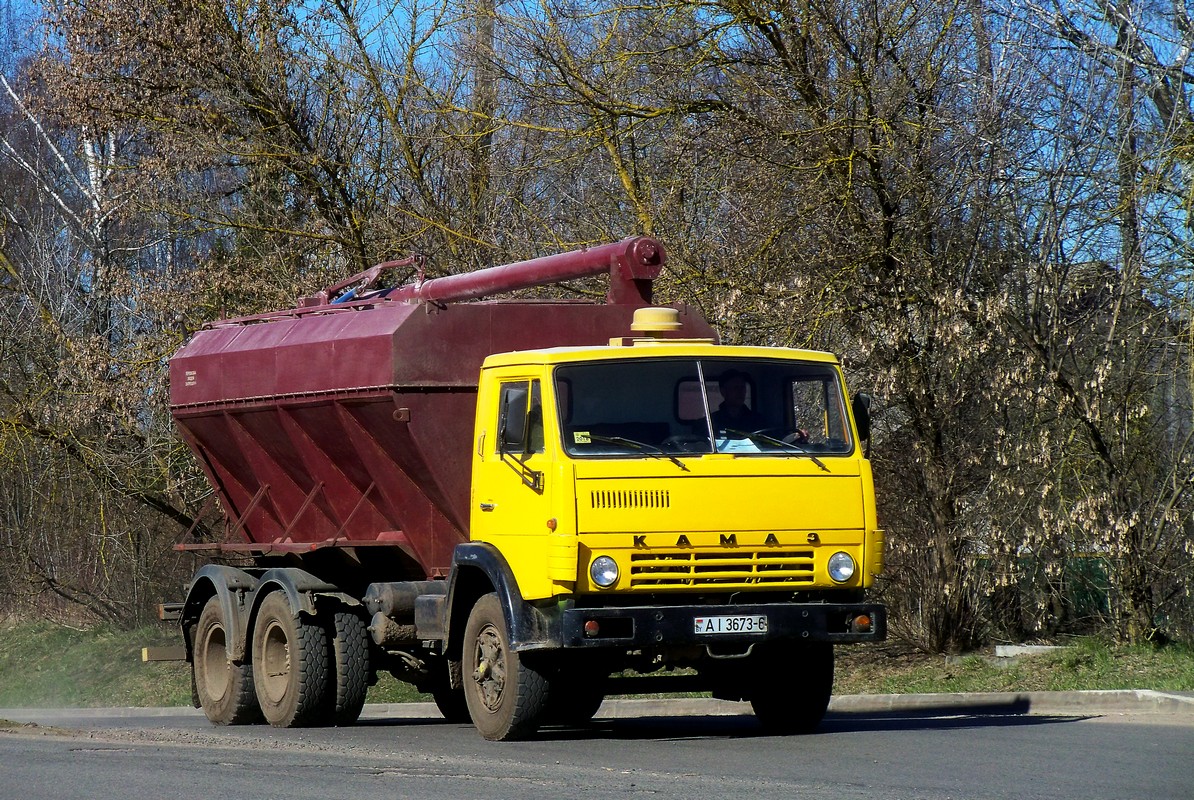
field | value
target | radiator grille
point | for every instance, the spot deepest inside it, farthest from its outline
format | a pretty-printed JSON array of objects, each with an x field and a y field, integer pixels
[
  {"x": 721, "y": 568},
  {"x": 638, "y": 498}
]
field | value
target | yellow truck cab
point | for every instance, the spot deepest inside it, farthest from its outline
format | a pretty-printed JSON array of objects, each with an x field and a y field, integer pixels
[{"x": 677, "y": 505}]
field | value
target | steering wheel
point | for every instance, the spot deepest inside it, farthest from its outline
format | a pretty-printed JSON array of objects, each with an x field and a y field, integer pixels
[{"x": 798, "y": 436}]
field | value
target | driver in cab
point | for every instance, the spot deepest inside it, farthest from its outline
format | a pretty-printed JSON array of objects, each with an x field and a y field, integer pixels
[{"x": 734, "y": 416}]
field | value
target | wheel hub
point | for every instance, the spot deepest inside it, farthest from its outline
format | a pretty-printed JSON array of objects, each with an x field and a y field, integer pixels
[
  {"x": 217, "y": 673},
  {"x": 490, "y": 674},
  {"x": 276, "y": 663}
]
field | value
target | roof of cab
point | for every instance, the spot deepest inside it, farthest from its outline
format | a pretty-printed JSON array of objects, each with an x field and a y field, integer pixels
[{"x": 655, "y": 349}]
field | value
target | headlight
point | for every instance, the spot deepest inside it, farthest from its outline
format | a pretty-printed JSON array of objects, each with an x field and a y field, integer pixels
[
  {"x": 604, "y": 571},
  {"x": 841, "y": 567}
]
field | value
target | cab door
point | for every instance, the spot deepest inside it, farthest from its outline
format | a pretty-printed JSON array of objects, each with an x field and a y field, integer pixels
[{"x": 511, "y": 489}]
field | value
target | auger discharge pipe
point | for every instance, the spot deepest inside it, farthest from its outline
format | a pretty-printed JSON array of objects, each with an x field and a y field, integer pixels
[{"x": 632, "y": 265}]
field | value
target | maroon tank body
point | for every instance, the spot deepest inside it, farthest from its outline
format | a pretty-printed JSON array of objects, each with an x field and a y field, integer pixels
[{"x": 350, "y": 425}]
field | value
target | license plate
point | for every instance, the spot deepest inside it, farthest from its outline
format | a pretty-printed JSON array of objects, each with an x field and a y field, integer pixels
[{"x": 742, "y": 624}]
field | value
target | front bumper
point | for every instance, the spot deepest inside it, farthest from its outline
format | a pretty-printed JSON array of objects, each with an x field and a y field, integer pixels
[{"x": 665, "y": 626}]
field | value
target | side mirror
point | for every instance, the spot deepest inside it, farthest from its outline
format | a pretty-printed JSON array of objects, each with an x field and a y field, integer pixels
[{"x": 861, "y": 407}]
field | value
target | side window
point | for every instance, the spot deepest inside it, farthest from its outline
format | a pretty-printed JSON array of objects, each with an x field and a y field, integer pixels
[
  {"x": 520, "y": 418},
  {"x": 535, "y": 421},
  {"x": 817, "y": 410}
]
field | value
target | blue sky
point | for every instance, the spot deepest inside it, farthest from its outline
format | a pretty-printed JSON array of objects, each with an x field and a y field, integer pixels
[{"x": 16, "y": 17}]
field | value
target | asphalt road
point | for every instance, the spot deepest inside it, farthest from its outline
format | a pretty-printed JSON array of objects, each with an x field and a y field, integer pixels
[{"x": 964, "y": 747}]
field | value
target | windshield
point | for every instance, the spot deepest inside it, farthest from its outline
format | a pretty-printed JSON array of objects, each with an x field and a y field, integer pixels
[{"x": 687, "y": 406}]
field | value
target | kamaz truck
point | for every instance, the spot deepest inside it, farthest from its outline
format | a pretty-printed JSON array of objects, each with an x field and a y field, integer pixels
[{"x": 519, "y": 506}]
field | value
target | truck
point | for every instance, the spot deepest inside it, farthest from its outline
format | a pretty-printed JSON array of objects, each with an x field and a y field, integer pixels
[{"x": 519, "y": 506}]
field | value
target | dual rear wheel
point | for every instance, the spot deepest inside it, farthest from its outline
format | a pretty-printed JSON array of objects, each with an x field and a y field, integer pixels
[
  {"x": 304, "y": 671},
  {"x": 224, "y": 688}
]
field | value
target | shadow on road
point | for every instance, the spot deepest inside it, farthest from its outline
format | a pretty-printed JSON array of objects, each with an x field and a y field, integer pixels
[
  {"x": 835, "y": 723},
  {"x": 958, "y": 718},
  {"x": 747, "y": 727},
  {"x": 674, "y": 728}
]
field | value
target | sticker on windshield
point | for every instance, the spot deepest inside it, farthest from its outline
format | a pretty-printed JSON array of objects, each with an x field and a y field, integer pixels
[
  {"x": 728, "y": 445},
  {"x": 581, "y": 437}
]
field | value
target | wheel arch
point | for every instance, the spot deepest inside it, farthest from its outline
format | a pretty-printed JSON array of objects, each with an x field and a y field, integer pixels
[
  {"x": 230, "y": 585},
  {"x": 304, "y": 592},
  {"x": 479, "y": 568}
]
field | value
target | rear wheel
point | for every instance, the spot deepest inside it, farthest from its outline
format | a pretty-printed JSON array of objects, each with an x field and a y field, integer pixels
[
  {"x": 350, "y": 666},
  {"x": 223, "y": 688},
  {"x": 791, "y": 684},
  {"x": 290, "y": 665},
  {"x": 505, "y": 695}
]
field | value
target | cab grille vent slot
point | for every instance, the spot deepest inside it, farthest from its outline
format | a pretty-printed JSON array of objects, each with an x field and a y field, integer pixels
[
  {"x": 720, "y": 568},
  {"x": 636, "y": 498}
]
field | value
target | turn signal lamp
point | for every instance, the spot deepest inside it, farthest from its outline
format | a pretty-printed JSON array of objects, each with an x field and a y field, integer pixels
[{"x": 861, "y": 624}]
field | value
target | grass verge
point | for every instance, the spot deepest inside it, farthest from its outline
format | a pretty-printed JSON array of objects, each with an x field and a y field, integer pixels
[
  {"x": 1084, "y": 664},
  {"x": 48, "y": 665}
]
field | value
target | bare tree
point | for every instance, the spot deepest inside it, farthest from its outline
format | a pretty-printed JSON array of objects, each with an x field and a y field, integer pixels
[
  {"x": 1106, "y": 320},
  {"x": 80, "y": 430}
]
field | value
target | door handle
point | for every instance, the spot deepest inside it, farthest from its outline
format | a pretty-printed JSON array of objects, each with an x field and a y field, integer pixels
[{"x": 488, "y": 506}]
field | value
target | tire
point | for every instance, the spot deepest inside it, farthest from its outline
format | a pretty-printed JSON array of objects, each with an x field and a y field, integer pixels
[
  {"x": 349, "y": 675},
  {"x": 577, "y": 692},
  {"x": 572, "y": 704},
  {"x": 505, "y": 695},
  {"x": 450, "y": 702},
  {"x": 223, "y": 688},
  {"x": 291, "y": 665},
  {"x": 792, "y": 684}
]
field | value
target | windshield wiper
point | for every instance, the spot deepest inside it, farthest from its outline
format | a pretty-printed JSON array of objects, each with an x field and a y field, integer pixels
[
  {"x": 642, "y": 447},
  {"x": 789, "y": 446}
]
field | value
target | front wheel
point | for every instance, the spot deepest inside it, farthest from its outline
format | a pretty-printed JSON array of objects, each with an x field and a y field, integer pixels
[
  {"x": 291, "y": 662},
  {"x": 505, "y": 695},
  {"x": 792, "y": 684}
]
